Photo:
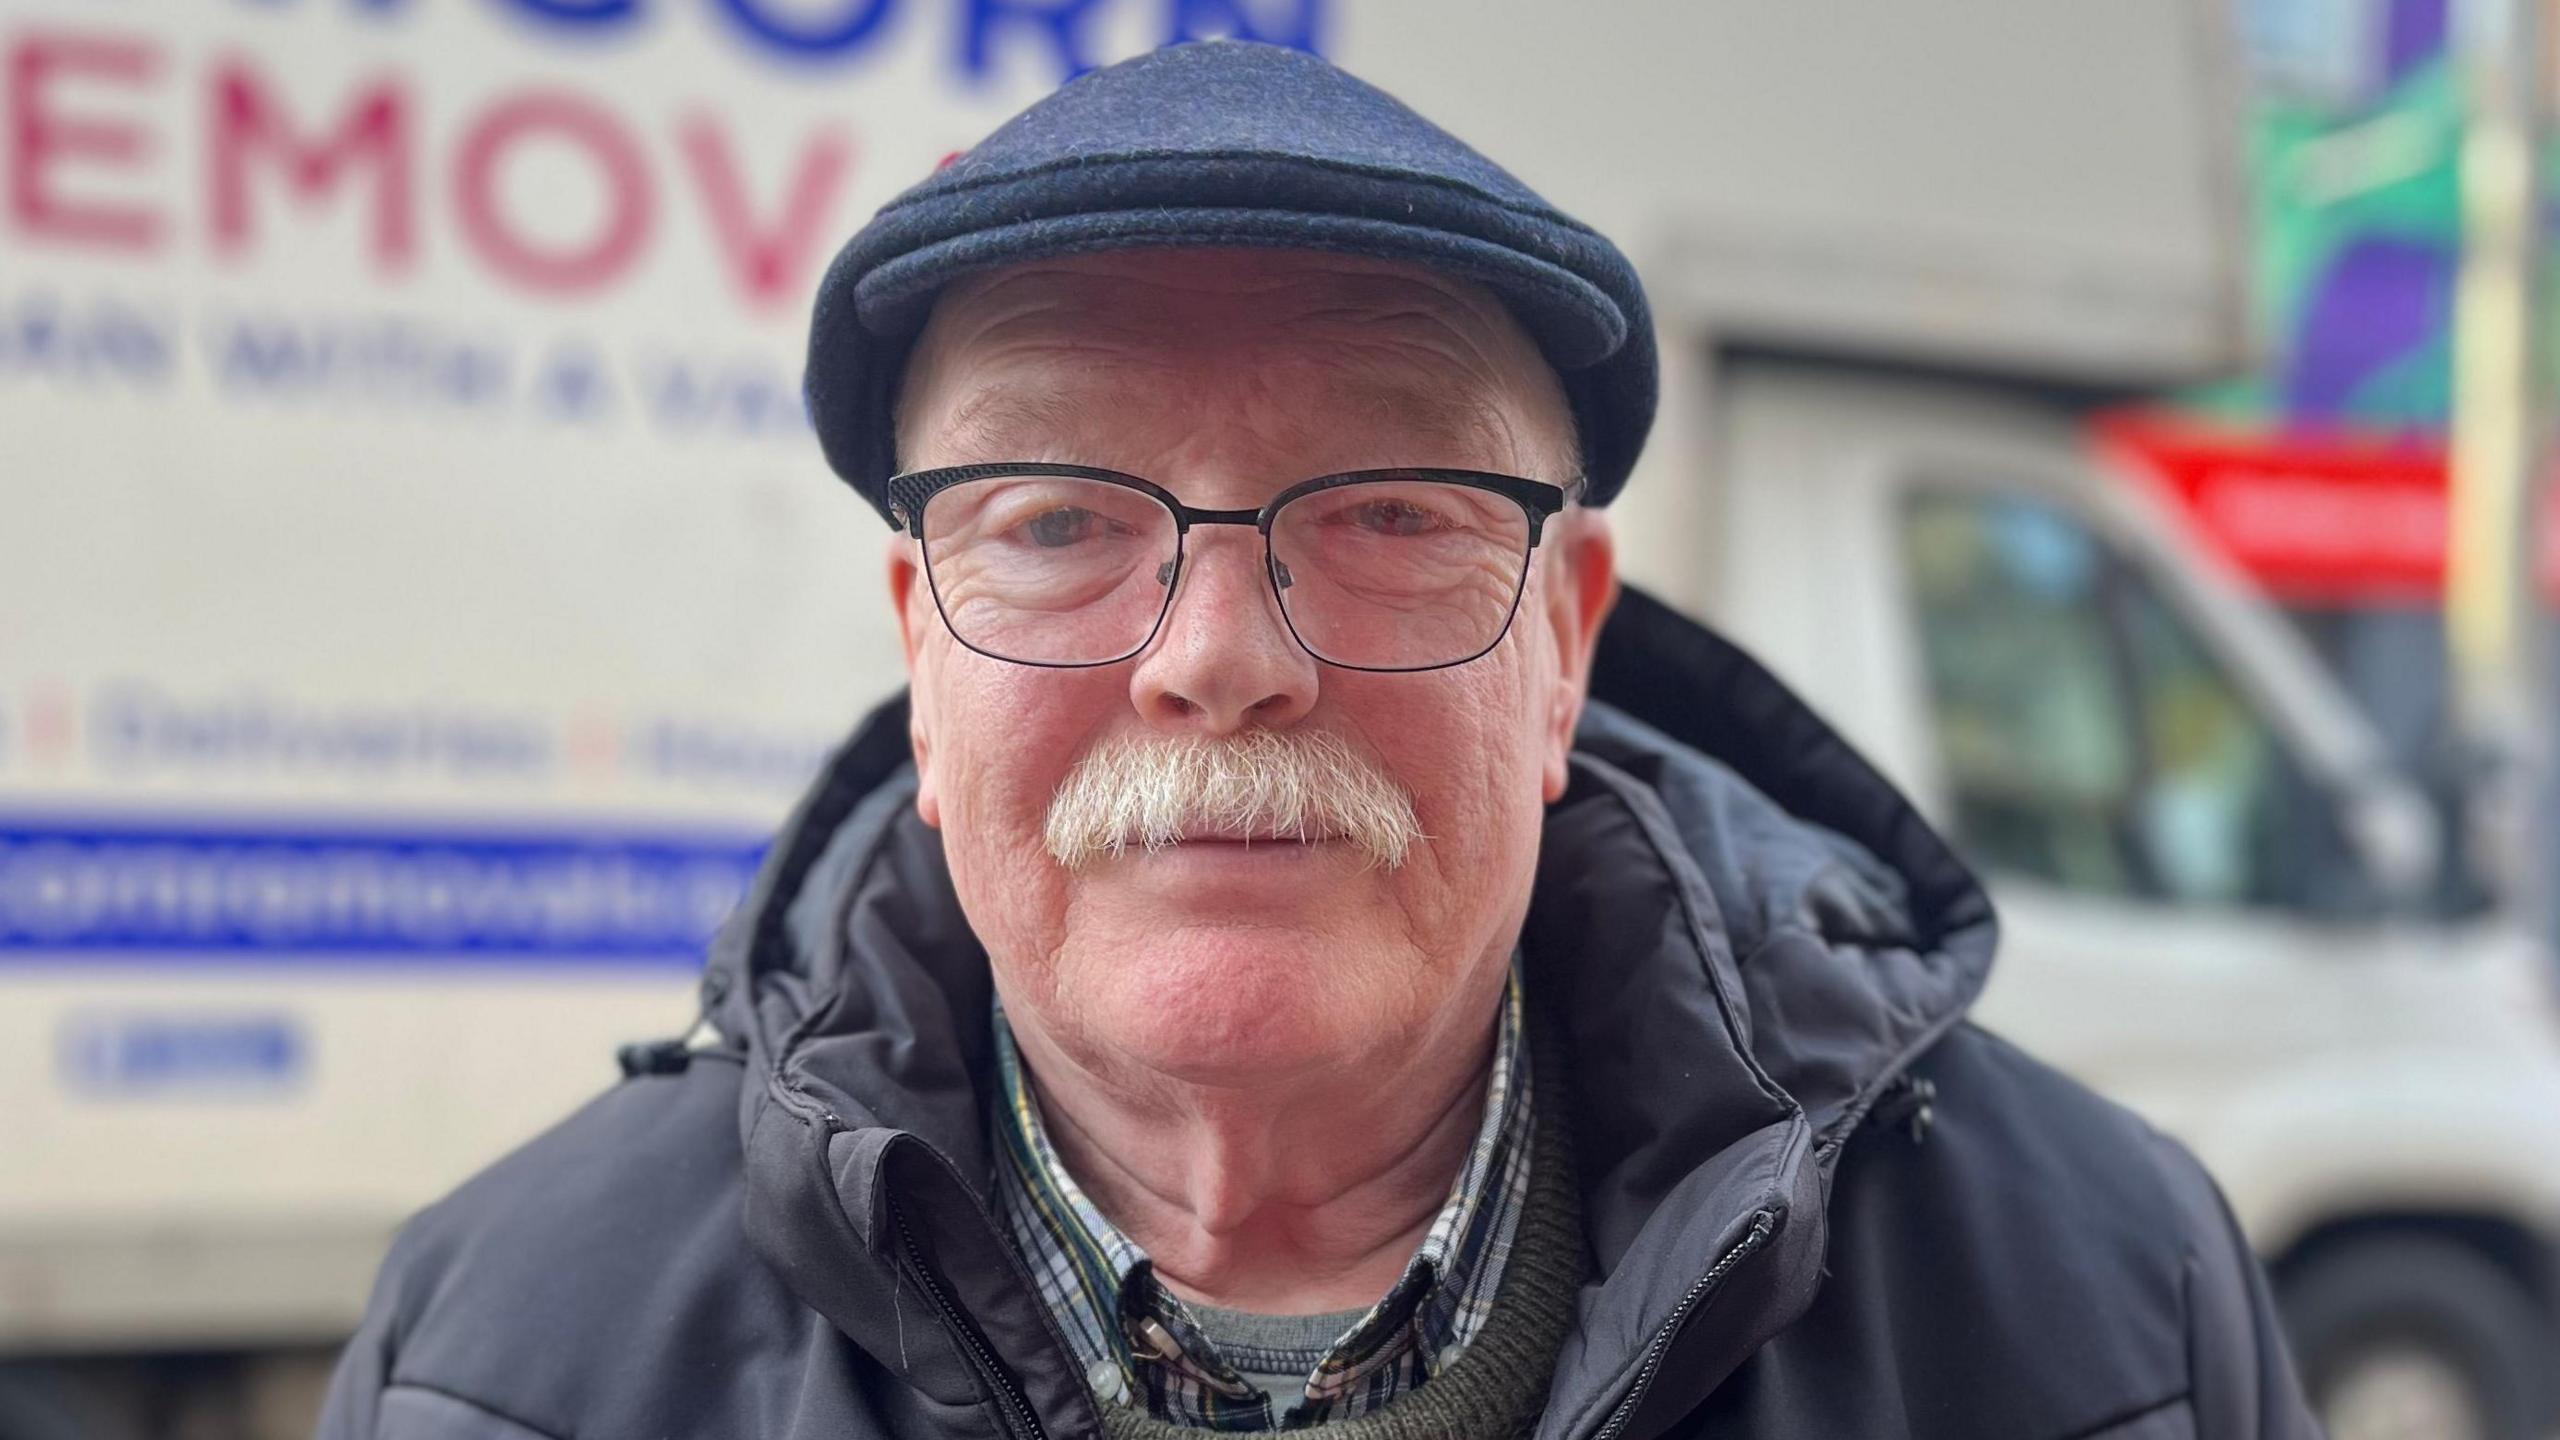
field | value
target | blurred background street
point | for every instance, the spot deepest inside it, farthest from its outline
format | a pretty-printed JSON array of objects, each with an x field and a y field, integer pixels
[{"x": 421, "y": 593}]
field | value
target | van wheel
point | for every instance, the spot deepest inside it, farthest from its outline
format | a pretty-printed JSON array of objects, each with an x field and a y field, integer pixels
[{"x": 2409, "y": 1338}]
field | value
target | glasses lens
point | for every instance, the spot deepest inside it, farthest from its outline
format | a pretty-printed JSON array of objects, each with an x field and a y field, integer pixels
[
  {"x": 1049, "y": 569},
  {"x": 1400, "y": 574}
]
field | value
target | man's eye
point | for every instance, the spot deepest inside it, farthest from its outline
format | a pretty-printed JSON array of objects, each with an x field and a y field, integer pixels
[
  {"x": 1393, "y": 517},
  {"x": 1064, "y": 526}
]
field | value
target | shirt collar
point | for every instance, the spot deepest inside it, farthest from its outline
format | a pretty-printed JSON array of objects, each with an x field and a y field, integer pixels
[{"x": 1119, "y": 1318}]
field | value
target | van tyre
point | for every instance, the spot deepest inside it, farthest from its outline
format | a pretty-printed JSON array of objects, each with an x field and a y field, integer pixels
[{"x": 2418, "y": 1336}]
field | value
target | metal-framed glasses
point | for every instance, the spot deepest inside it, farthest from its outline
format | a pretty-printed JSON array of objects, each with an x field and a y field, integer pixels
[{"x": 1069, "y": 565}]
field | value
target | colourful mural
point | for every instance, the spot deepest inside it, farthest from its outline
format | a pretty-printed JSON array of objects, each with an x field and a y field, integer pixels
[{"x": 2354, "y": 163}]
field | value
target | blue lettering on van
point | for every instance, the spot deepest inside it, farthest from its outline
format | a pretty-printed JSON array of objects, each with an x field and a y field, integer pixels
[
  {"x": 97, "y": 339},
  {"x": 1064, "y": 28},
  {"x": 1294, "y": 23},
  {"x": 109, "y": 1052},
  {"x": 382, "y": 358},
  {"x": 847, "y": 31},
  {"x": 101, "y": 888},
  {"x": 1058, "y": 24},
  {"x": 580, "y": 12},
  {"x": 989, "y": 33}
]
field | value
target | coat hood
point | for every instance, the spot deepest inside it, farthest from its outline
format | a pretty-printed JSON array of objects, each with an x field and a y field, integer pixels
[{"x": 1743, "y": 932}]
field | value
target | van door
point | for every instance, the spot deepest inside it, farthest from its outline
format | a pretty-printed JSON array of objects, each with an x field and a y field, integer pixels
[{"x": 2186, "y": 913}]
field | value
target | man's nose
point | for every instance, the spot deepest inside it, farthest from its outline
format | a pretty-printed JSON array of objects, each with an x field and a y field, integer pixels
[{"x": 1224, "y": 658}]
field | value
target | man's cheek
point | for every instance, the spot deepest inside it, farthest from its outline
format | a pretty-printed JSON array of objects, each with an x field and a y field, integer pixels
[
  {"x": 997, "y": 783},
  {"x": 1457, "y": 777}
]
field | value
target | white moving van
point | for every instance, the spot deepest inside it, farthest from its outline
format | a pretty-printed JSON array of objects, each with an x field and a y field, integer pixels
[{"x": 420, "y": 594}]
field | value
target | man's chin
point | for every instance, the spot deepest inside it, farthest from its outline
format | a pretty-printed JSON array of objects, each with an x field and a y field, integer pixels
[{"x": 1238, "y": 1004}]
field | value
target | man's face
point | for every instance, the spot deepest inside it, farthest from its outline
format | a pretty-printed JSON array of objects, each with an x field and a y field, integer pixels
[{"x": 1224, "y": 377}]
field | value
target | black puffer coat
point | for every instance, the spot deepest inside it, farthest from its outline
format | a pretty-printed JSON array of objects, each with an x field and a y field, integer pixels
[{"x": 1818, "y": 1202}]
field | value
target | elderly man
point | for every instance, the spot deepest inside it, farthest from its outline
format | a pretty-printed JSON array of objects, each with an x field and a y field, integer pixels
[{"x": 1244, "y": 985}]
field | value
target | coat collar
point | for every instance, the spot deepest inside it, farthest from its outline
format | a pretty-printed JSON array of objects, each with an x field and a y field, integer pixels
[{"x": 1741, "y": 929}]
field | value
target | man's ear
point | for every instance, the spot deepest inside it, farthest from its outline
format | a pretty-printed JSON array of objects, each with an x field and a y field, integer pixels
[
  {"x": 915, "y": 611},
  {"x": 1581, "y": 586}
]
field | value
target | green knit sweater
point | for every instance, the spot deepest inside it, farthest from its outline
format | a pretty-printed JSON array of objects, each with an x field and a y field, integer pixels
[{"x": 1497, "y": 1387}]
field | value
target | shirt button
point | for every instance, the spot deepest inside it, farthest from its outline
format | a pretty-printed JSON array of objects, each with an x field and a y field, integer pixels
[
  {"x": 1108, "y": 1384},
  {"x": 1447, "y": 1357}
]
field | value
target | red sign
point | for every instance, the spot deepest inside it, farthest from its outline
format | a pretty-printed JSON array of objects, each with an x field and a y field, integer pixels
[
  {"x": 2321, "y": 520},
  {"x": 65, "y": 148}
]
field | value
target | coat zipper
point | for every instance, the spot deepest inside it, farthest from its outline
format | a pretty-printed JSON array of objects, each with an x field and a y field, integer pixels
[
  {"x": 1763, "y": 1222},
  {"x": 1837, "y": 1136},
  {"x": 1020, "y": 1418}
]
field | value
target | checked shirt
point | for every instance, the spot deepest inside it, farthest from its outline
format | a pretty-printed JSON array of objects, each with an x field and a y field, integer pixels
[{"x": 1138, "y": 1342}]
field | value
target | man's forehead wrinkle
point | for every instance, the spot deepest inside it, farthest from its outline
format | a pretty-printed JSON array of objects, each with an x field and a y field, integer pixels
[
  {"x": 990, "y": 381},
  {"x": 1420, "y": 408},
  {"x": 1076, "y": 420},
  {"x": 1464, "y": 422},
  {"x": 989, "y": 416},
  {"x": 1065, "y": 424},
  {"x": 993, "y": 327},
  {"x": 1068, "y": 361}
]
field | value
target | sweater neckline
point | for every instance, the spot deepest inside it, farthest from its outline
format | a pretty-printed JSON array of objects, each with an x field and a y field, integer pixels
[{"x": 1496, "y": 1388}]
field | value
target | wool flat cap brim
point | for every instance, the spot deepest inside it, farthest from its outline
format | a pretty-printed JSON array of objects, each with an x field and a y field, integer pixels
[{"x": 1228, "y": 143}]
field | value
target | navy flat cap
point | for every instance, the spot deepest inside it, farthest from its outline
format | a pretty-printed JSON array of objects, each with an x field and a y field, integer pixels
[{"x": 1228, "y": 143}]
